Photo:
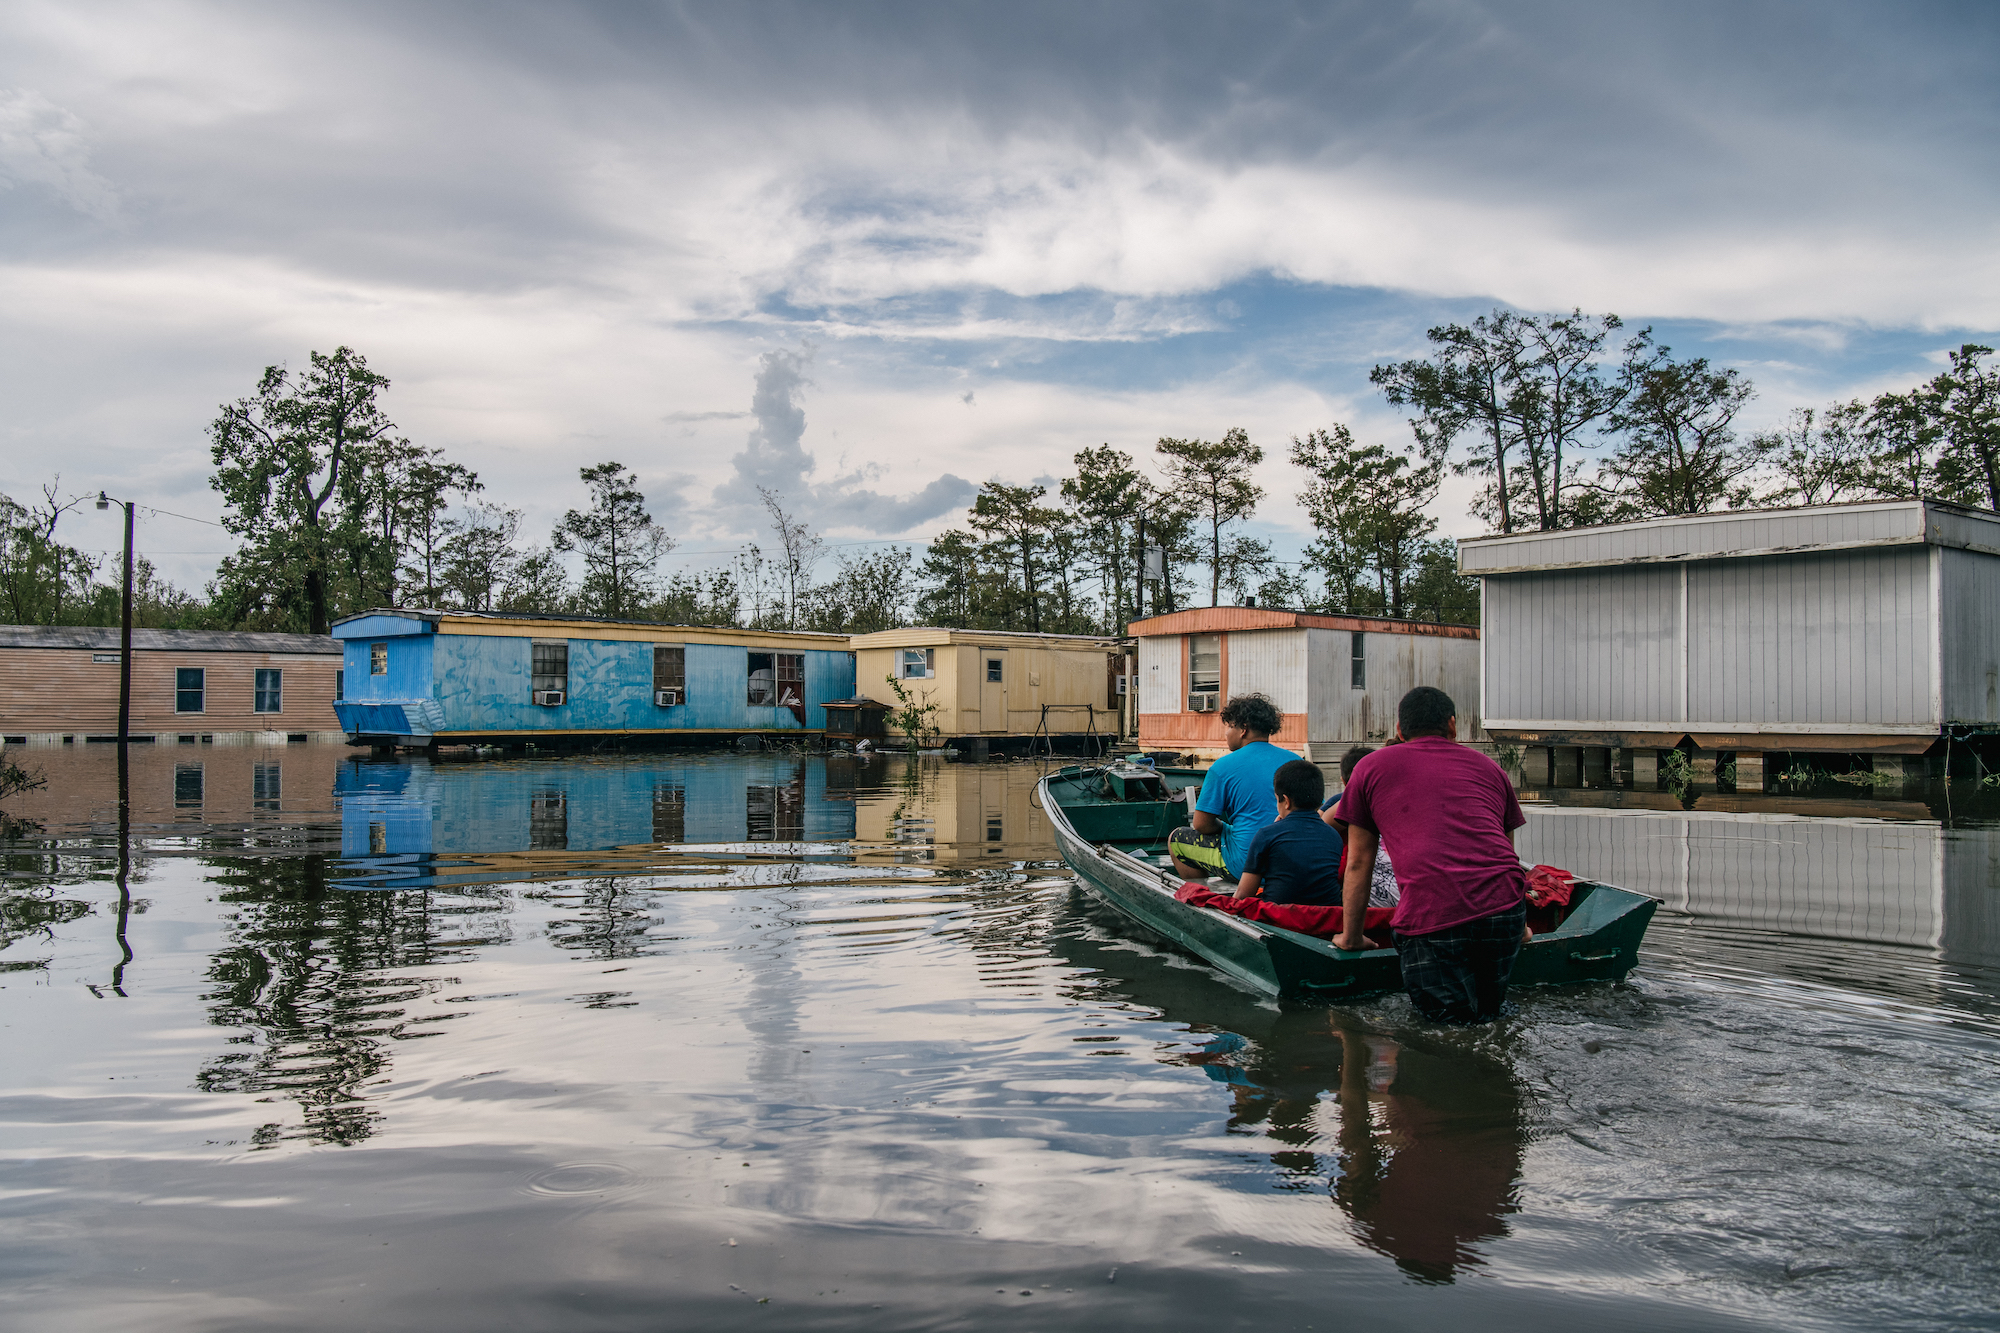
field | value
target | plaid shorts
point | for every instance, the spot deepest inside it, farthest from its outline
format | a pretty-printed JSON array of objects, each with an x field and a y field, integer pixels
[{"x": 1459, "y": 974}]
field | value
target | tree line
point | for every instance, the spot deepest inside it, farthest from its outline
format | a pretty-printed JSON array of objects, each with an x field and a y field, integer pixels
[{"x": 335, "y": 511}]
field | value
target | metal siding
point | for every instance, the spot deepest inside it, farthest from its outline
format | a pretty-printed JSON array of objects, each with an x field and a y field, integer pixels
[
  {"x": 1969, "y": 621},
  {"x": 1268, "y": 662},
  {"x": 1834, "y": 638},
  {"x": 1340, "y": 715},
  {"x": 1583, "y": 644},
  {"x": 483, "y": 683},
  {"x": 1160, "y": 665}
]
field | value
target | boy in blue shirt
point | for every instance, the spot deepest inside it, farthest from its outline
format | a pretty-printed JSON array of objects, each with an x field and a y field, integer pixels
[
  {"x": 1297, "y": 859},
  {"x": 1235, "y": 799}
]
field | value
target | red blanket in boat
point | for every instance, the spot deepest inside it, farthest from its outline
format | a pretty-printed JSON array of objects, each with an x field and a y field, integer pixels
[
  {"x": 1304, "y": 918},
  {"x": 1548, "y": 885}
]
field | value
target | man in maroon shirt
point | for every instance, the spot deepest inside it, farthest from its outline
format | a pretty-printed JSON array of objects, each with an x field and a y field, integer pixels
[{"x": 1447, "y": 815}]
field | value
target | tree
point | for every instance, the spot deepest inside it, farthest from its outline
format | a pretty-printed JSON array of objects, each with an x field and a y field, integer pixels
[
  {"x": 1368, "y": 503},
  {"x": 870, "y": 593},
  {"x": 620, "y": 544},
  {"x": 1467, "y": 384},
  {"x": 1965, "y": 401},
  {"x": 951, "y": 578},
  {"x": 1439, "y": 592},
  {"x": 1528, "y": 387},
  {"x": 426, "y": 484},
  {"x": 1680, "y": 454},
  {"x": 1106, "y": 497},
  {"x": 536, "y": 582},
  {"x": 284, "y": 464},
  {"x": 476, "y": 558},
  {"x": 1819, "y": 458},
  {"x": 42, "y": 581},
  {"x": 799, "y": 548},
  {"x": 1213, "y": 476},
  {"x": 710, "y": 598},
  {"x": 1016, "y": 528}
]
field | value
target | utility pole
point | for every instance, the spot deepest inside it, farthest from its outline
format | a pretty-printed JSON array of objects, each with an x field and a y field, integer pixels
[{"x": 124, "y": 632}]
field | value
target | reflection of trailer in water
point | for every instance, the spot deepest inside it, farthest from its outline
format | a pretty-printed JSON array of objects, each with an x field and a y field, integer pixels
[{"x": 1913, "y": 883}]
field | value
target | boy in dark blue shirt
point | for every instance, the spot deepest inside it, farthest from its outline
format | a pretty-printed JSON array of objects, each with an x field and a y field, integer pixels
[{"x": 1296, "y": 859}]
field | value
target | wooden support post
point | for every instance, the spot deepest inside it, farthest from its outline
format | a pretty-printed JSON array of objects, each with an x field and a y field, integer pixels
[
  {"x": 1535, "y": 766},
  {"x": 1750, "y": 771},
  {"x": 1704, "y": 766},
  {"x": 1645, "y": 768}
]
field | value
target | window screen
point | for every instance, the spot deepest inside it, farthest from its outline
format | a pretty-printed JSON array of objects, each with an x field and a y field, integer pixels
[
  {"x": 339, "y": 685},
  {"x": 378, "y": 659},
  {"x": 995, "y": 668},
  {"x": 551, "y": 667},
  {"x": 190, "y": 690},
  {"x": 763, "y": 680},
  {"x": 918, "y": 664},
  {"x": 1204, "y": 663},
  {"x": 669, "y": 667},
  {"x": 1357, "y": 665},
  {"x": 270, "y": 690}
]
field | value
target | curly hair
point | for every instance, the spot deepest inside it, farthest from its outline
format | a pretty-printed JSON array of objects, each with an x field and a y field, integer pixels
[{"x": 1254, "y": 713}]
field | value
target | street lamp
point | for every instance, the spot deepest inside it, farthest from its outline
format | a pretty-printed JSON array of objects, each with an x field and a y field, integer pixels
[{"x": 124, "y": 631}]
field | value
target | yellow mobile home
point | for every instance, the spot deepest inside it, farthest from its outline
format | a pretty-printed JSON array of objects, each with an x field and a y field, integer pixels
[{"x": 999, "y": 690}]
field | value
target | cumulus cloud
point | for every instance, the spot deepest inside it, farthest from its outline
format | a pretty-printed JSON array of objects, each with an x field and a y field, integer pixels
[{"x": 775, "y": 459}]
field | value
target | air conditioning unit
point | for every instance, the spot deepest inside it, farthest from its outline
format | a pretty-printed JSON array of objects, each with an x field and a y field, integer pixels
[
  {"x": 1202, "y": 703},
  {"x": 549, "y": 698},
  {"x": 668, "y": 698}
]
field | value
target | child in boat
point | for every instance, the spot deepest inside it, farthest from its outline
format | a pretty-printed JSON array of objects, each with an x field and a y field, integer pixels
[
  {"x": 1296, "y": 859},
  {"x": 1382, "y": 890}
]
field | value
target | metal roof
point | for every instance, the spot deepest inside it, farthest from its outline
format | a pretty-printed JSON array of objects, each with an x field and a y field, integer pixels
[
  {"x": 553, "y": 618},
  {"x": 99, "y": 638},
  {"x": 1737, "y": 534},
  {"x": 1239, "y": 619}
]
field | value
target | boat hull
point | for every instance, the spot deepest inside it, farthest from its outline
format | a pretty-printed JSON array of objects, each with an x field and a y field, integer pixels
[{"x": 1598, "y": 942}]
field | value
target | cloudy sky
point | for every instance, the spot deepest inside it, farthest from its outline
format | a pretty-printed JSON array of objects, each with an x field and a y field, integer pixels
[{"x": 876, "y": 254}]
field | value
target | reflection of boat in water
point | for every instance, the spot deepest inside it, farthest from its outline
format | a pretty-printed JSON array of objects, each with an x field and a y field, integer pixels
[
  {"x": 1111, "y": 825},
  {"x": 1423, "y": 1149}
]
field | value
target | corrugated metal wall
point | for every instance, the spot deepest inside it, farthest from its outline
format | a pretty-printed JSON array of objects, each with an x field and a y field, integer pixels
[
  {"x": 1584, "y": 645},
  {"x": 1969, "y": 603},
  {"x": 1160, "y": 668},
  {"x": 1341, "y": 715},
  {"x": 1837, "y": 638},
  {"x": 1271, "y": 662}
]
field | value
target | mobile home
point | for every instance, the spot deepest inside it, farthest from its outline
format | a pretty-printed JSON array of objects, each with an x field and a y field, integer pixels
[
  {"x": 188, "y": 686},
  {"x": 424, "y": 678},
  {"x": 1335, "y": 679},
  {"x": 1866, "y": 628},
  {"x": 997, "y": 689}
]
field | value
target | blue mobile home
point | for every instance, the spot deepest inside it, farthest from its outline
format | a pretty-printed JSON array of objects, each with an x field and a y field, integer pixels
[{"x": 424, "y": 678}]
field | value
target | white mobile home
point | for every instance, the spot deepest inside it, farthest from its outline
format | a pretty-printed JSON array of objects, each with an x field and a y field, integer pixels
[
  {"x": 1866, "y": 628},
  {"x": 1335, "y": 679}
]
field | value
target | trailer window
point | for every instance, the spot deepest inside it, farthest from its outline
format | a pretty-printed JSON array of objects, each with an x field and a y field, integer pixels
[
  {"x": 763, "y": 680},
  {"x": 270, "y": 690},
  {"x": 791, "y": 680},
  {"x": 378, "y": 659},
  {"x": 1357, "y": 665},
  {"x": 190, "y": 689},
  {"x": 670, "y": 666},
  {"x": 1204, "y": 663},
  {"x": 917, "y": 663},
  {"x": 995, "y": 666},
  {"x": 550, "y": 668}
]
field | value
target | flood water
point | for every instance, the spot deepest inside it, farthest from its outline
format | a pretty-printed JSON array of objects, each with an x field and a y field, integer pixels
[{"x": 786, "y": 1042}]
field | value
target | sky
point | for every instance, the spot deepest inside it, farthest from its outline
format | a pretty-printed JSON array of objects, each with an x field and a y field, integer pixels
[{"x": 870, "y": 256}]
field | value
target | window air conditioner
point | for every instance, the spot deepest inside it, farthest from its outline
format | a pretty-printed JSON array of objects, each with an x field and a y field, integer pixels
[
  {"x": 667, "y": 698},
  {"x": 1201, "y": 703},
  {"x": 549, "y": 698}
]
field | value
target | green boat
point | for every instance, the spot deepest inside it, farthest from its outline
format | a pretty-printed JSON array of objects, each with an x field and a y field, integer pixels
[{"x": 1111, "y": 825}]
